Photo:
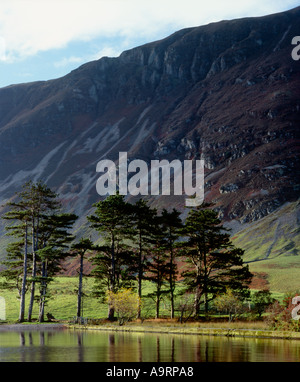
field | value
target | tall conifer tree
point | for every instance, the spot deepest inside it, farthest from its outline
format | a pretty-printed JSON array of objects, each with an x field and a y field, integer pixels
[
  {"x": 145, "y": 225},
  {"x": 111, "y": 220},
  {"x": 171, "y": 228},
  {"x": 54, "y": 241},
  {"x": 80, "y": 249},
  {"x": 36, "y": 206},
  {"x": 18, "y": 253},
  {"x": 216, "y": 263}
]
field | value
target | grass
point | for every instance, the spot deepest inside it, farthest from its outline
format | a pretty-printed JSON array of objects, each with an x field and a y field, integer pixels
[
  {"x": 233, "y": 329},
  {"x": 276, "y": 237},
  {"x": 63, "y": 302},
  {"x": 283, "y": 273},
  {"x": 222, "y": 323}
]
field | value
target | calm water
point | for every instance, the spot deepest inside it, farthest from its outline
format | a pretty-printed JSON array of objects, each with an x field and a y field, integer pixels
[{"x": 96, "y": 346}]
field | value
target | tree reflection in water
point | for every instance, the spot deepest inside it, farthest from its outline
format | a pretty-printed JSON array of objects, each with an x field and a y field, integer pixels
[{"x": 104, "y": 346}]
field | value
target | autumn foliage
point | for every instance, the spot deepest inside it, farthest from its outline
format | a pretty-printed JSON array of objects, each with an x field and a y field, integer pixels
[{"x": 125, "y": 303}]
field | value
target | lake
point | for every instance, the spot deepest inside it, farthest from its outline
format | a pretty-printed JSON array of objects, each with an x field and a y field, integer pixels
[{"x": 104, "y": 346}]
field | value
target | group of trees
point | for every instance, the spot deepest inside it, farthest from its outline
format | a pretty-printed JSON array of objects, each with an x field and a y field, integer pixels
[
  {"x": 135, "y": 243},
  {"x": 41, "y": 239},
  {"x": 140, "y": 244}
]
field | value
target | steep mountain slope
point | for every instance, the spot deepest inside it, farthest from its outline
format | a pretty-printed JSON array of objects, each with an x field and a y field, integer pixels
[
  {"x": 226, "y": 92},
  {"x": 272, "y": 248}
]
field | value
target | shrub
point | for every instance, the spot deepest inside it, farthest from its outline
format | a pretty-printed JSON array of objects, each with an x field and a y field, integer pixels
[
  {"x": 279, "y": 316},
  {"x": 125, "y": 303},
  {"x": 230, "y": 304},
  {"x": 185, "y": 306},
  {"x": 262, "y": 300}
]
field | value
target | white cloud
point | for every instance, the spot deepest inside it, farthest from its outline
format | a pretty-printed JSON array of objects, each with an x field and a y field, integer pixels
[
  {"x": 108, "y": 51},
  {"x": 30, "y": 26},
  {"x": 67, "y": 61}
]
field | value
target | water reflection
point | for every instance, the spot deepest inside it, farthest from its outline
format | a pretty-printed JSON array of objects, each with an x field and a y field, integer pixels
[{"x": 92, "y": 346}]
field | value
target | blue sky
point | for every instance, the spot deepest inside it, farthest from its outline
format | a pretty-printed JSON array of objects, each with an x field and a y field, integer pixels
[{"x": 46, "y": 39}]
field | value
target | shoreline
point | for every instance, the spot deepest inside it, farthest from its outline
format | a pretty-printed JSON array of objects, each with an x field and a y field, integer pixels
[
  {"x": 225, "y": 332},
  {"x": 245, "y": 333},
  {"x": 30, "y": 326}
]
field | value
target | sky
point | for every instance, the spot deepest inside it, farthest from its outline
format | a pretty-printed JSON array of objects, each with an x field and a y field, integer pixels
[{"x": 46, "y": 39}]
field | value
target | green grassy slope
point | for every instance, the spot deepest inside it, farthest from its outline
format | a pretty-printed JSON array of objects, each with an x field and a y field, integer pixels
[{"x": 272, "y": 248}]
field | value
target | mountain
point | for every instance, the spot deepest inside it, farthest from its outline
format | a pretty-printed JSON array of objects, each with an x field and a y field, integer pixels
[
  {"x": 226, "y": 92},
  {"x": 271, "y": 247}
]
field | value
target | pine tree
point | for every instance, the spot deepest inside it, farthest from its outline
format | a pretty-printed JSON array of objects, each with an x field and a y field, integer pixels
[
  {"x": 38, "y": 226},
  {"x": 171, "y": 228},
  {"x": 158, "y": 269},
  {"x": 13, "y": 266},
  {"x": 112, "y": 220},
  {"x": 39, "y": 200},
  {"x": 216, "y": 263},
  {"x": 80, "y": 249},
  {"x": 54, "y": 240},
  {"x": 17, "y": 268},
  {"x": 145, "y": 226}
]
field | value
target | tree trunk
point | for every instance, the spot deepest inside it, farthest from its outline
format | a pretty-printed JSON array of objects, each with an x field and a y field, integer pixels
[
  {"x": 140, "y": 275},
  {"x": 111, "y": 310},
  {"x": 43, "y": 293},
  {"x": 205, "y": 286},
  {"x": 197, "y": 301},
  {"x": 80, "y": 286},
  {"x": 34, "y": 247},
  {"x": 157, "y": 306},
  {"x": 32, "y": 291},
  {"x": 198, "y": 293},
  {"x": 23, "y": 289},
  {"x": 111, "y": 313},
  {"x": 158, "y": 292},
  {"x": 42, "y": 310},
  {"x": 171, "y": 282}
]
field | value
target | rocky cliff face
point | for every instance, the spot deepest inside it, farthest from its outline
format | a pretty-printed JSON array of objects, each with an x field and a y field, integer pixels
[{"x": 226, "y": 92}]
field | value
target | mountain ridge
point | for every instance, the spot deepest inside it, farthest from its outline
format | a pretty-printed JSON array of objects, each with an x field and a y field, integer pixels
[{"x": 225, "y": 92}]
